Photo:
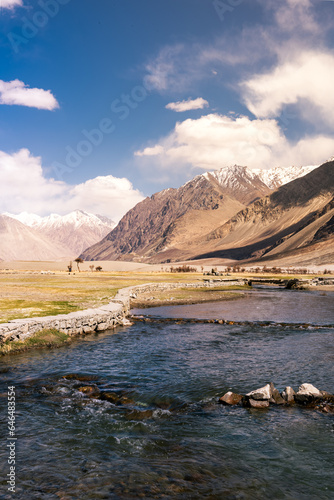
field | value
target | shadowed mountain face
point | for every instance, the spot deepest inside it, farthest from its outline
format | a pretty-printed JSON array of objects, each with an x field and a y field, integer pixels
[
  {"x": 202, "y": 219},
  {"x": 293, "y": 217}
]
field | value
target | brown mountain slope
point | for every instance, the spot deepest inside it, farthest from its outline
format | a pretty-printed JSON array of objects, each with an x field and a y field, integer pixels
[
  {"x": 166, "y": 221},
  {"x": 19, "y": 242},
  {"x": 296, "y": 215},
  {"x": 242, "y": 184}
]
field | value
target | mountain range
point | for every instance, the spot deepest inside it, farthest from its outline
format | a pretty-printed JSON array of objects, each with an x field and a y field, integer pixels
[
  {"x": 232, "y": 213},
  {"x": 55, "y": 237}
]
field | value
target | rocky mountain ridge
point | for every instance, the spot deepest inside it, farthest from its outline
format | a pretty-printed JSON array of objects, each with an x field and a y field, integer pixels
[
  {"x": 175, "y": 224},
  {"x": 296, "y": 215}
]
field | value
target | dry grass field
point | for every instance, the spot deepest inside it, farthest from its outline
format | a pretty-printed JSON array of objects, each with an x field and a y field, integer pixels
[
  {"x": 41, "y": 289},
  {"x": 27, "y": 294}
]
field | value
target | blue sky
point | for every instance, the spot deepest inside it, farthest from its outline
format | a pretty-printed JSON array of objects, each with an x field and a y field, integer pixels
[{"x": 84, "y": 88}]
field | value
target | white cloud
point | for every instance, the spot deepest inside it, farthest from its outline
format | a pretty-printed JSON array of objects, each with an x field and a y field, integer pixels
[
  {"x": 305, "y": 80},
  {"x": 24, "y": 188},
  {"x": 214, "y": 141},
  {"x": 106, "y": 195},
  {"x": 289, "y": 26},
  {"x": 188, "y": 105},
  {"x": 296, "y": 16},
  {"x": 17, "y": 92},
  {"x": 156, "y": 150},
  {"x": 10, "y": 4},
  {"x": 173, "y": 69},
  {"x": 289, "y": 75}
]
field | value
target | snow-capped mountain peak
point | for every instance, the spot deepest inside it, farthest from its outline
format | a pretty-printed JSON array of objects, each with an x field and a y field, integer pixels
[
  {"x": 76, "y": 230},
  {"x": 27, "y": 219},
  {"x": 278, "y": 176},
  {"x": 238, "y": 177}
]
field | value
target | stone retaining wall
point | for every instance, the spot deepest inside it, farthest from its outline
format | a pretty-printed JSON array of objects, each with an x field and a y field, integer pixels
[
  {"x": 76, "y": 323},
  {"x": 89, "y": 320}
]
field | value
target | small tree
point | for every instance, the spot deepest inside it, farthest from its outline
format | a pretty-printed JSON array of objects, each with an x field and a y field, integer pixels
[
  {"x": 91, "y": 267},
  {"x": 78, "y": 260},
  {"x": 98, "y": 268}
]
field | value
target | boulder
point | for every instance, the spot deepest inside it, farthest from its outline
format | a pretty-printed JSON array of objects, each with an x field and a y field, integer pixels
[
  {"x": 288, "y": 395},
  {"x": 308, "y": 394},
  {"x": 276, "y": 397},
  {"x": 230, "y": 398},
  {"x": 254, "y": 403},
  {"x": 262, "y": 394}
]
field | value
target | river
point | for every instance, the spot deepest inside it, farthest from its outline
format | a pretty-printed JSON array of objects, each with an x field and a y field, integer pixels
[{"x": 165, "y": 435}]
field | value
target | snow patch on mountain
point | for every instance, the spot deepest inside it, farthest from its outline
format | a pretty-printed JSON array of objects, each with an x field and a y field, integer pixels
[
  {"x": 278, "y": 176},
  {"x": 30, "y": 220},
  {"x": 238, "y": 177}
]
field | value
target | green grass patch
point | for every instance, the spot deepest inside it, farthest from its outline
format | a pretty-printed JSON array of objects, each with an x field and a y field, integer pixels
[
  {"x": 21, "y": 309},
  {"x": 42, "y": 339}
]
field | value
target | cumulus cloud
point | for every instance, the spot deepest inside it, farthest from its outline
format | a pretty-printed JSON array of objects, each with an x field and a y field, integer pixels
[
  {"x": 24, "y": 187},
  {"x": 106, "y": 195},
  {"x": 188, "y": 105},
  {"x": 18, "y": 93},
  {"x": 214, "y": 141},
  {"x": 289, "y": 83},
  {"x": 304, "y": 80},
  {"x": 11, "y": 4}
]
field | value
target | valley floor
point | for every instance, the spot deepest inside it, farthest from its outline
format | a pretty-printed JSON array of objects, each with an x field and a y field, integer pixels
[{"x": 32, "y": 289}]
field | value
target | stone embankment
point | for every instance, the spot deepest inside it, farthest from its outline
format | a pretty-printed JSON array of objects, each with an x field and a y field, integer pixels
[
  {"x": 75, "y": 323},
  {"x": 307, "y": 395},
  {"x": 90, "y": 320}
]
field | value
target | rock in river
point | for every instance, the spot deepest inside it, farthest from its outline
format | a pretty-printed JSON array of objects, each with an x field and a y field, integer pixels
[
  {"x": 288, "y": 395},
  {"x": 262, "y": 394},
  {"x": 230, "y": 398},
  {"x": 307, "y": 394}
]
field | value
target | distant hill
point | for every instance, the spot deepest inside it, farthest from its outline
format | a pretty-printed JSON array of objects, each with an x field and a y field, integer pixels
[
  {"x": 20, "y": 242},
  {"x": 66, "y": 235}
]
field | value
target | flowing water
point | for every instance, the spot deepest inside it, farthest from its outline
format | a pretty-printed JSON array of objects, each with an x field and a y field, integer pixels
[{"x": 164, "y": 435}]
